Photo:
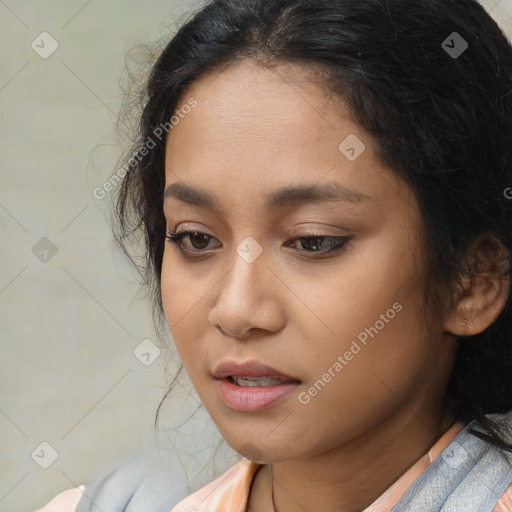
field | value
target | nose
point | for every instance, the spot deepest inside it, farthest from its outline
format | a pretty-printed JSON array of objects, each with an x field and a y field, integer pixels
[{"x": 248, "y": 300}]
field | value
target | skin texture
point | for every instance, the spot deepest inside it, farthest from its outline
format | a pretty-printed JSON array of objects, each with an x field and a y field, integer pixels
[{"x": 255, "y": 130}]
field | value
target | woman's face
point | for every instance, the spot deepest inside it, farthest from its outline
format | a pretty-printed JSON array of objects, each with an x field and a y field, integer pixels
[{"x": 298, "y": 309}]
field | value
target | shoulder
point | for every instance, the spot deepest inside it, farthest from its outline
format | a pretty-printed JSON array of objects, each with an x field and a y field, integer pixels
[
  {"x": 136, "y": 484},
  {"x": 65, "y": 501},
  {"x": 132, "y": 485},
  {"x": 230, "y": 491},
  {"x": 470, "y": 474}
]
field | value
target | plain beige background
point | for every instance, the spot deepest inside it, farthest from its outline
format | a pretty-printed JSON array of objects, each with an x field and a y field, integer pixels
[{"x": 72, "y": 320}]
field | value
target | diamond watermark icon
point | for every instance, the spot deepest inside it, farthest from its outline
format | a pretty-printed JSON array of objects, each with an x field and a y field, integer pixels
[
  {"x": 249, "y": 249},
  {"x": 44, "y": 250},
  {"x": 147, "y": 352},
  {"x": 44, "y": 455},
  {"x": 454, "y": 455},
  {"x": 454, "y": 45},
  {"x": 352, "y": 147},
  {"x": 44, "y": 45}
]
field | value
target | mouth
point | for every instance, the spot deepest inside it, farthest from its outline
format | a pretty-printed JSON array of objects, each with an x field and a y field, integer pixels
[
  {"x": 247, "y": 381},
  {"x": 252, "y": 386},
  {"x": 251, "y": 371}
]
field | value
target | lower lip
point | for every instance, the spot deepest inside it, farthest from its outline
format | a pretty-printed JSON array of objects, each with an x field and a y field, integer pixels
[{"x": 253, "y": 398}]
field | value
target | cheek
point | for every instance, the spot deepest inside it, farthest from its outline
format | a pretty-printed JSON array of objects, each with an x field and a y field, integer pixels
[
  {"x": 354, "y": 385},
  {"x": 373, "y": 319},
  {"x": 171, "y": 286},
  {"x": 360, "y": 297},
  {"x": 183, "y": 300}
]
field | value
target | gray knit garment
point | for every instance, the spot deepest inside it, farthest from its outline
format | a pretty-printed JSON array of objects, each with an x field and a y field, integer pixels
[
  {"x": 135, "y": 486},
  {"x": 470, "y": 475}
]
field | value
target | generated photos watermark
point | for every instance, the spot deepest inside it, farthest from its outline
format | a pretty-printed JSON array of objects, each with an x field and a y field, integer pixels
[
  {"x": 356, "y": 346},
  {"x": 159, "y": 133}
]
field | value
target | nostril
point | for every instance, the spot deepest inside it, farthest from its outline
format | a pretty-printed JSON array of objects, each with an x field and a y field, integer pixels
[{"x": 231, "y": 335}]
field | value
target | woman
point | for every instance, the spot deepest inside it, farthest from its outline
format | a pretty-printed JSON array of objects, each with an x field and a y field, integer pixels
[{"x": 327, "y": 228}]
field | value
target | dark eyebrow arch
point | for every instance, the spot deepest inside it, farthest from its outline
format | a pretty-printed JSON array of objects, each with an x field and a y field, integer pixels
[{"x": 293, "y": 195}]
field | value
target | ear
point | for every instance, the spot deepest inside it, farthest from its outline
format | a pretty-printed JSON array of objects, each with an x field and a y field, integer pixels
[{"x": 484, "y": 291}]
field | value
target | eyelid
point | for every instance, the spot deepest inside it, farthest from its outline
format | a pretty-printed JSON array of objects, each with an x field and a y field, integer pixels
[
  {"x": 188, "y": 226},
  {"x": 318, "y": 231}
]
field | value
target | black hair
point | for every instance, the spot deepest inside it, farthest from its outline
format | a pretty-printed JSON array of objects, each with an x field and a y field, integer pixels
[{"x": 430, "y": 80}]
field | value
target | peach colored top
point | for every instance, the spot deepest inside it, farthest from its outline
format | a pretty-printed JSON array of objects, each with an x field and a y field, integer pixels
[{"x": 230, "y": 491}]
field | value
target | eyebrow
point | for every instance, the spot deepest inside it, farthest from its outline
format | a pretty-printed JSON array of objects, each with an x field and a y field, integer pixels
[{"x": 293, "y": 195}]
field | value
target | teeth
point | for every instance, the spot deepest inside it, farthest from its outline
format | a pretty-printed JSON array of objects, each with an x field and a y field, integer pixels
[{"x": 257, "y": 381}]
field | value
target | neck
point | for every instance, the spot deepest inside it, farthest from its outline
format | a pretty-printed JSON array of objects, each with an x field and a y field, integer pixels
[{"x": 352, "y": 476}]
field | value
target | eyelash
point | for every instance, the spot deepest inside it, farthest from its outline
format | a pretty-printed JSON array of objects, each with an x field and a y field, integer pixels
[{"x": 177, "y": 240}]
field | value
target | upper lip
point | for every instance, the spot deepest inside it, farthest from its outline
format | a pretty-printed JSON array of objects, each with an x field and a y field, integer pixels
[{"x": 248, "y": 369}]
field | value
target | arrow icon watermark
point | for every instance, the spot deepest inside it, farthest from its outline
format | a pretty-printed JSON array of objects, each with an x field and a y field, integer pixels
[
  {"x": 454, "y": 45},
  {"x": 44, "y": 455},
  {"x": 146, "y": 352},
  {"x": 249, "y": 249},
  {"x": 44, "y": 250},
  {"x": 44, "y": 45},
  {"x": 352, "y": 147}
]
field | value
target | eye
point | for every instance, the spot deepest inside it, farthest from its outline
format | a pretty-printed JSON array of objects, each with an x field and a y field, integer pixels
[
  {"x": 320, "y": 244},
  {"x": 195, "y": 244},
  {"x": 197, "y": 241}
]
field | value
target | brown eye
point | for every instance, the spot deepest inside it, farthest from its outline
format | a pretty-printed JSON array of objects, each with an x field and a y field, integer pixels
[
  {"x": 197, "y": 241},
  {"x": 314, "y": 243},
  {"x": 321, "y": 244}
]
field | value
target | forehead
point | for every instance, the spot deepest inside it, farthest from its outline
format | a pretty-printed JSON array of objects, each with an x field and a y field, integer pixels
[
  {"x": 247, "y": 103},
  {"x": 256, "y": 129},
  {"x": 248, "y": 85}
]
